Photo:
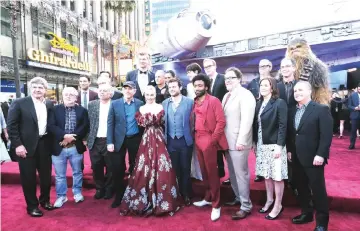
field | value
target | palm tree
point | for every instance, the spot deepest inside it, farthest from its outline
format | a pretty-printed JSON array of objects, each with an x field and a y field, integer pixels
[{"x": 120, "y": 7}]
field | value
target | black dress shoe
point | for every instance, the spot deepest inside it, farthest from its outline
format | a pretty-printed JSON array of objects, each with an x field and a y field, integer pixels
[
  {"x": 351, "y": 147},
  {"x": 226, "y": 182},
  {"x": 187, "y": 201},
  {"x": 320, "y": 228},
  {"x": 262, "y": 210},
  {"x": 232, "y": 203},
  {"x": 48, "y": 206},
  {"x": 259, "y": 178},
  {"x": 99, "y": 194},
  {"x": 108, "y": 195},
  {"x": 303, "y": 218},
  {"x": 268, "y": 217},
  {"x": 116, "y": 203},
  {"x": 35, "y": 212}
]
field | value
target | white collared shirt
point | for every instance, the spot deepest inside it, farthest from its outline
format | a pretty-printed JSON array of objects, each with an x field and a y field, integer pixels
[
  {"x": 143, "y": 81},
  {"x": 190, "y": 91},
  {"x": 213, "y": 81},
  {"x": 82, "y": 98},
  {"x": 103, "y": 116},
  {"x": 41, "y": 114}
]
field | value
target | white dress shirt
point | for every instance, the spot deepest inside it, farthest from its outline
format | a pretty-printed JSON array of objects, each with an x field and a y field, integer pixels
[
  {"x": 41, "y": 114},
  {"x": 103, "y": 116},
  {"x": 143, "y": 81},
  {"x": 213, "y": 82},
  {"x": 190, "y": 91}
]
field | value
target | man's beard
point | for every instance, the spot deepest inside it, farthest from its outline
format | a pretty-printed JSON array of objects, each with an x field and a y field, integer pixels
[
  {"x": 175, "y": 94},
  {"x": 200, "y": 93}
]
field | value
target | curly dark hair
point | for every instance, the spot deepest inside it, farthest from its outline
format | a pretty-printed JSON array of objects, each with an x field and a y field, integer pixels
[{"x": 204, "y": 78}]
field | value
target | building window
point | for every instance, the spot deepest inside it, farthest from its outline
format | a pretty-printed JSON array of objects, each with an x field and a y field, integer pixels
[
  {"x": 5, "y": 22},
  {"x": 85, "y": 39},
  {"x": 101, "y": 14},
  {"x": 72, "y": 39},
  {"x": 63, "y": 3},
  {"x": 34, "y": 20},
  {"x": 63, "y": 29},
  {"x": 91, "y": 11},
  {"x": 44, "y": 28},
  {"x": 106, "y": 19},
  {"x": 72, "y": 5},
  {"x": 85, "y": 9}
]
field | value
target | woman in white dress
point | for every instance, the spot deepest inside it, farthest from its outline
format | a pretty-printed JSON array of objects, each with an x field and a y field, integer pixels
[
  {"x": 4, "y": 153},
  {"x": 191, "y": 71},
  {"x": 270, "y": 123}
]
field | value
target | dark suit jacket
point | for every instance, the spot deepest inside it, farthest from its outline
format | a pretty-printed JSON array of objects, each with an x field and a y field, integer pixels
[
  {"x": 273, "y": 122},
  {"x": 56, "y": 127},
  {"x": 133, "y": 76},
  {"x": 215, "y": 121},
  {"x": 282, "y": 94},
  {"x": 116, "y": 123},
  {"x": 186, "y": 119},
  {"x": 354, "y": 102},
  {"x": 219, "y": 89},
  {"x": 92, "y": 96},
  {"x": 22, "y": 124},
  {"x": 313, "y": 136},
  {"x": 254, "y": 87}
]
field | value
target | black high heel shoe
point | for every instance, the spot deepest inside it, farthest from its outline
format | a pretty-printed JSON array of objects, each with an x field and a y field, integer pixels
[
  {"x": 265, "y": 211},
  {"x": 268, "y": 217}
]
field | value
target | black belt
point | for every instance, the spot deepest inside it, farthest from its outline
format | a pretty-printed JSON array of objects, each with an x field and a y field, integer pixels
[
  {"x": 132, "y": 136},
  {"x": 101, "y": 138},
  {"x": 42, "y": 136}
]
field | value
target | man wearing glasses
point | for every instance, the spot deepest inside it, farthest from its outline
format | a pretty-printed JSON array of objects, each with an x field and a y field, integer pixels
[
  {"x": 239, "y": 109},
  {"x": 217, "y": 89},
  {"x": 265, "y": 67}
]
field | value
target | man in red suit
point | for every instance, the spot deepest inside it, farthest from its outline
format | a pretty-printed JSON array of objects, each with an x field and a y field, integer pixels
[
  {"x": 209, "y": 138},
  {"x": 85, "y": 94}
]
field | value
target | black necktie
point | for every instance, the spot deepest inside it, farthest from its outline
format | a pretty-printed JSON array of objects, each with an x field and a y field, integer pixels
[{"x": 143, "y": 72}]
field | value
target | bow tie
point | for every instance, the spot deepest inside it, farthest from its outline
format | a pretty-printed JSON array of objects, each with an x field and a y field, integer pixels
[{"x": 143, "y": 72}]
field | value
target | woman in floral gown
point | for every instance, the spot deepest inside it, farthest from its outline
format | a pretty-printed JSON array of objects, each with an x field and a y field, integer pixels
[{"x": 152, "y": 187}]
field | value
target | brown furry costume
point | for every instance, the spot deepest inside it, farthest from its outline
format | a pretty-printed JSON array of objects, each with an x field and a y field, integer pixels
[{"x": 310, "y": 68}]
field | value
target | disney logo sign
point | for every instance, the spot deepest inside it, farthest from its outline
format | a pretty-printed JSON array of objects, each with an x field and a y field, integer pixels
[{"x": 60, "y": 45}]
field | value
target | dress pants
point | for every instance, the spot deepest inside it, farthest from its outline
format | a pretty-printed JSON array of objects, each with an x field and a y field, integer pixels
[
  {"x": 240, "y": 177},
  {"x": 181, "y": 155},
  {"x": 207, "y": 156},
  {"x": 99, "y": 159},
  {"x": 118, "y": 165},
  {"x": 40, "y": 161},
  {"x": 313, "y": 177},
  {"x": 355, "y": 125}
]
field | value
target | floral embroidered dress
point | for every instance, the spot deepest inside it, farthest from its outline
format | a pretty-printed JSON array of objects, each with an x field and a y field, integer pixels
[{"x": 152, "y": 186}]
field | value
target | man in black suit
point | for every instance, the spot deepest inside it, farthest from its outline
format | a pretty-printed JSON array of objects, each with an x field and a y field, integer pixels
[
  {"x": 217, "y": 89},
  {"x": 354, "y": 107},
  {"x": 286, "y": 92},
  {"x": 27, "y": 126},
  {"x": 142, "y": 76},
  {"x": 308, "y": 144}
]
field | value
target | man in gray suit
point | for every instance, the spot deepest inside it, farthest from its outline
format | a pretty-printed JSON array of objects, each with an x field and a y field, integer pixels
[
  {"x": 239, "y": 108},
  {"x": 178, "y": 136},
  {"x": 98, "y": 114}
]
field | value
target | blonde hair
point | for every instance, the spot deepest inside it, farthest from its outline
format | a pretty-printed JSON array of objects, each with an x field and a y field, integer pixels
[
  {"x": 38, "y": 80},
  {"x": 150, "y": 88}
]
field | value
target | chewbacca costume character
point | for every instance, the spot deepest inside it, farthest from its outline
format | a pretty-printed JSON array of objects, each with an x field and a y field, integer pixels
[{"x": 310, "y": 68}]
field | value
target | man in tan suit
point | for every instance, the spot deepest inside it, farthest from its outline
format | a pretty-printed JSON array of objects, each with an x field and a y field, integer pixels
[{"x": 239, "y": 107}]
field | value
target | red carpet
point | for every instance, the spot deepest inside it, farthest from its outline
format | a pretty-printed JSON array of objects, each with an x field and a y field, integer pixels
[
  {"x": 98, "y": 216},
  {"x": 343, "y": 185}
]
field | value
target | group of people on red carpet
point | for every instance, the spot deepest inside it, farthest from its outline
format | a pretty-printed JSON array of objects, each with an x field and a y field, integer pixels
[{"x": 283, "y": 120}]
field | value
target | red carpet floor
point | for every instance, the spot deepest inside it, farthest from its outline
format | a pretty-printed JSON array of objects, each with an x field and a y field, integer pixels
[
  {"x": 343, "y": 185},
  {"x": 98, "y": 216}
]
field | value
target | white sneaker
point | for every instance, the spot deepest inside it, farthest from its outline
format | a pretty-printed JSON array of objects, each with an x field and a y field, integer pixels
[
  {"x": 215, "y": 214},
  {"x": 201, "y": 203},
  {"x": 60, "y": 201},
  {"x": 79, "y": 198}
]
